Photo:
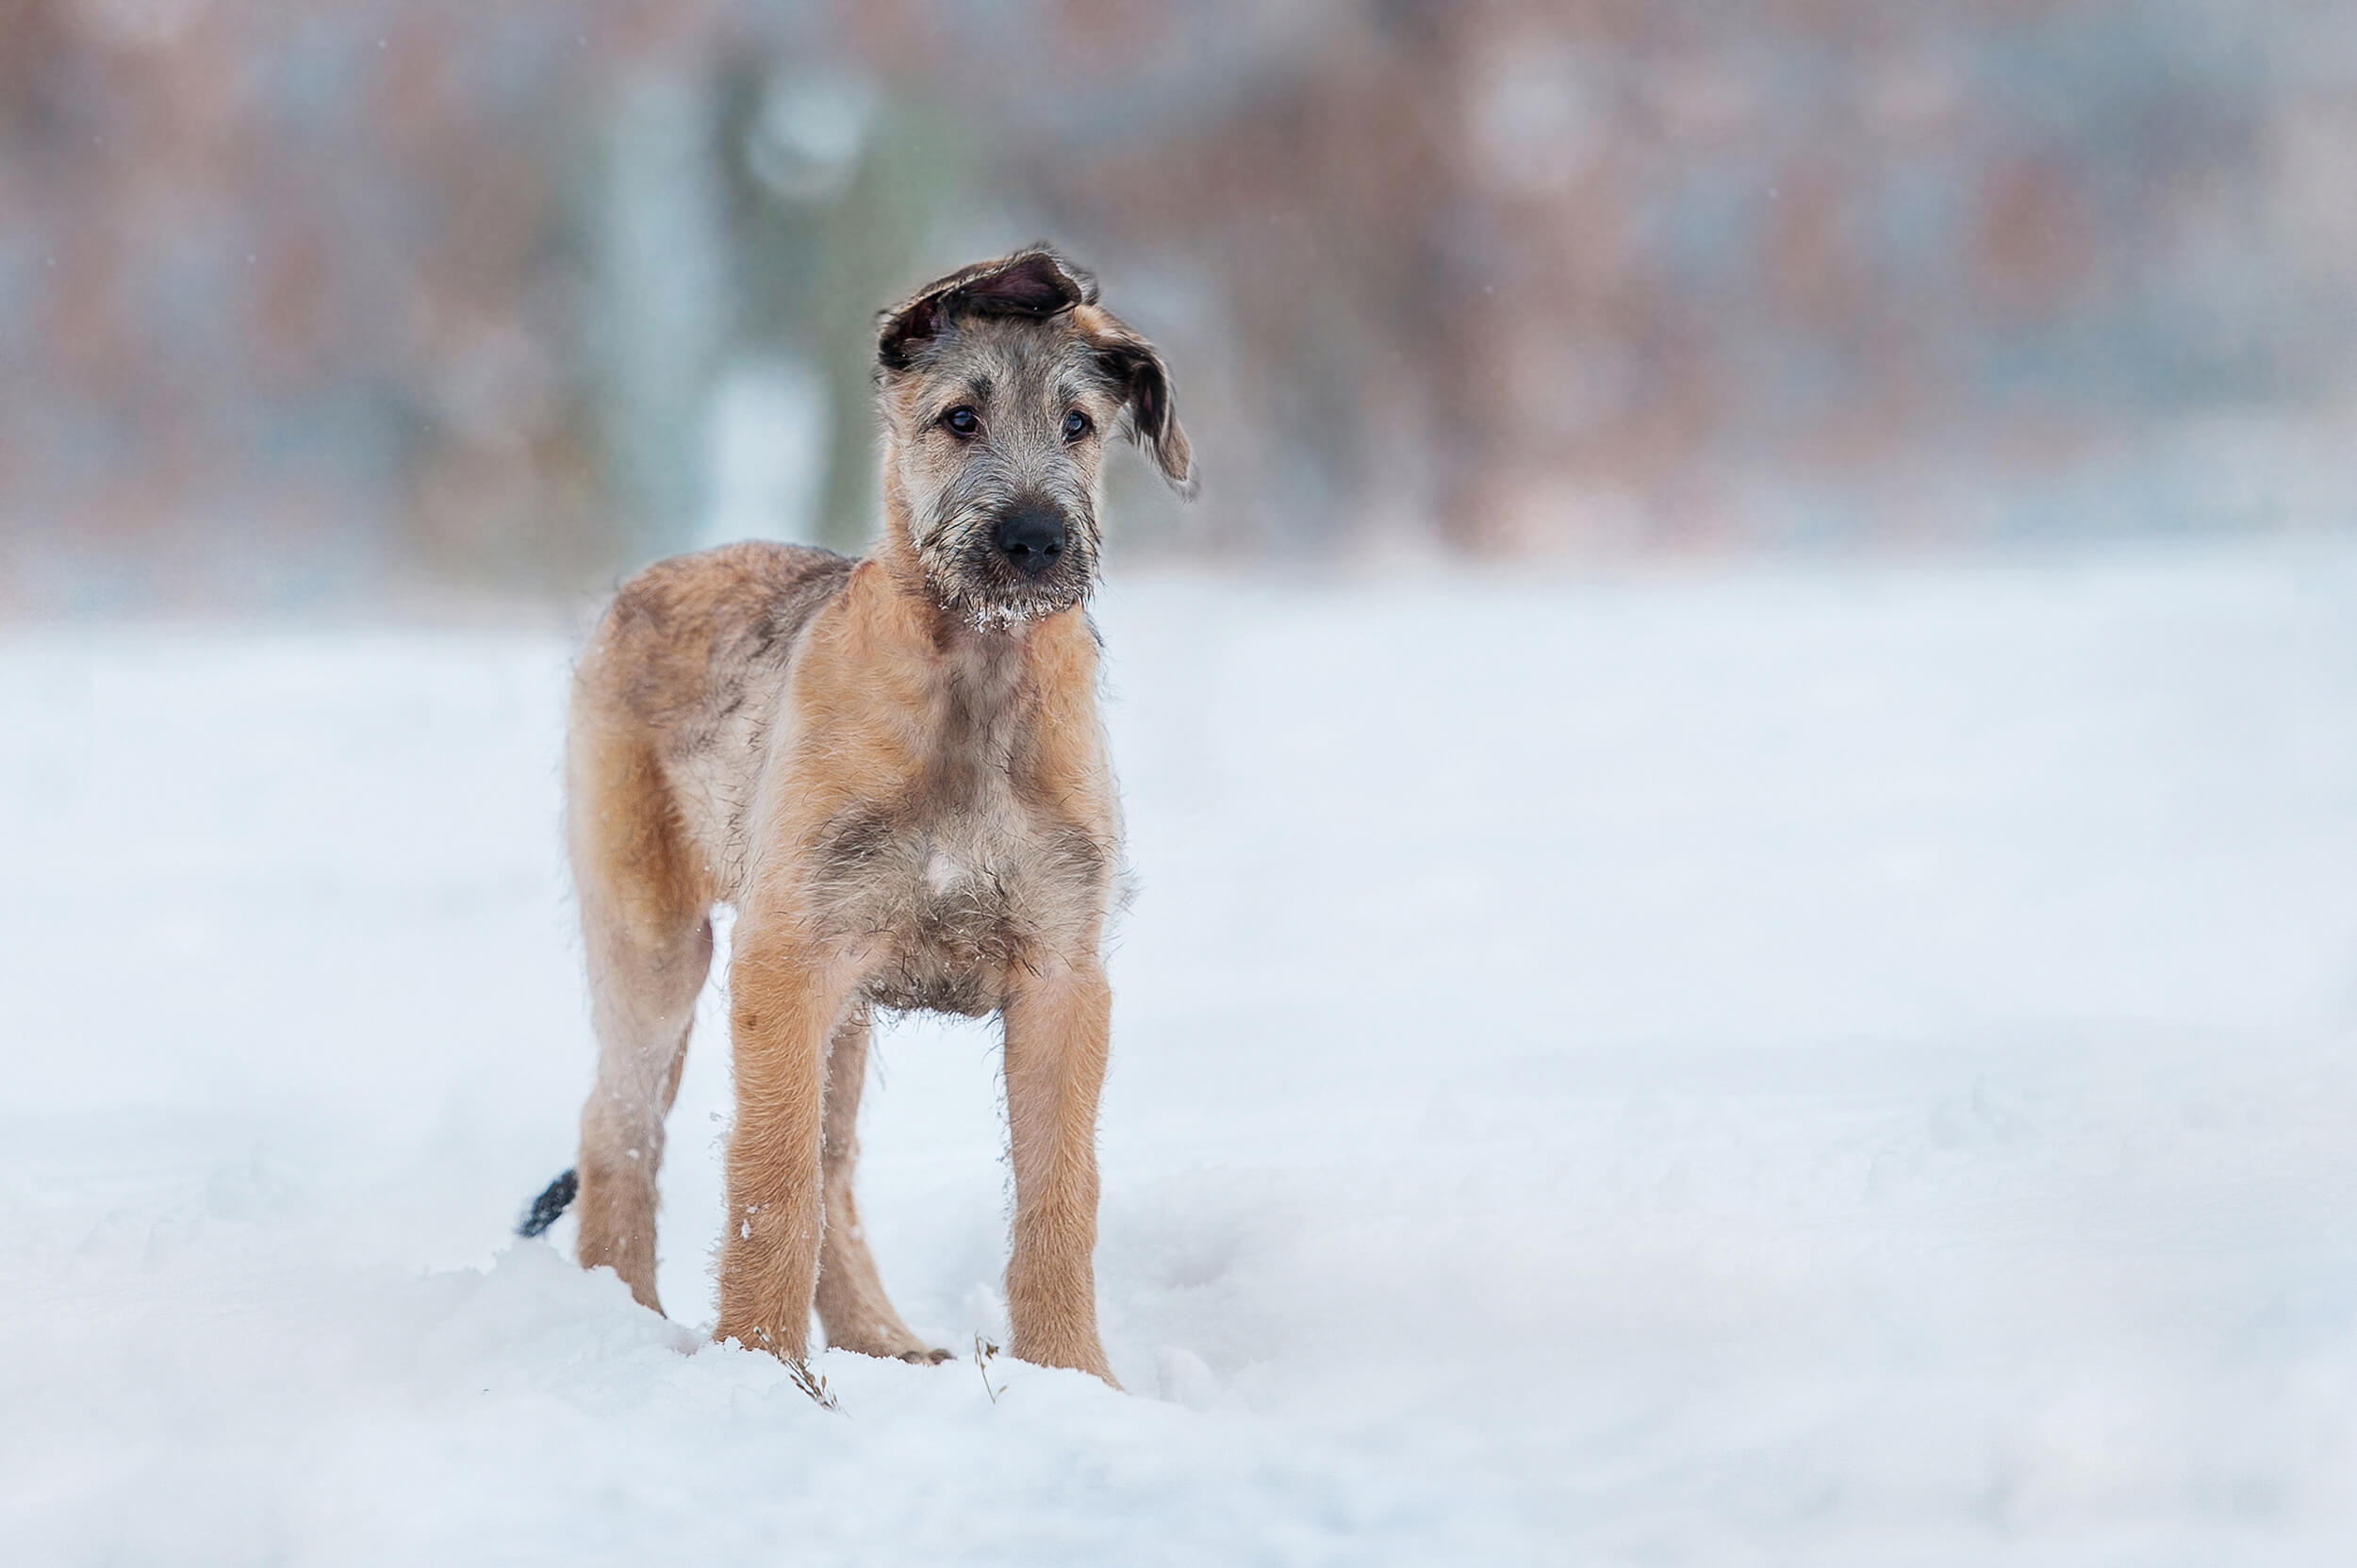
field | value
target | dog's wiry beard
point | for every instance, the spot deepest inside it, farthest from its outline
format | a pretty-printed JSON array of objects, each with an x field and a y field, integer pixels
[{"x": 972, "y": 582}]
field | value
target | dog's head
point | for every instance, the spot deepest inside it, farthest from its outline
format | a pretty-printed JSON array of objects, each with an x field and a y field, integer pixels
[{"x": 1000, "y": 386}]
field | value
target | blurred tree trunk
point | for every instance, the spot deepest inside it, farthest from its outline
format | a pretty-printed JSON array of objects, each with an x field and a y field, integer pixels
[
  {"x": 659, "y": 315},
  {"x": 823, "y": 246}
]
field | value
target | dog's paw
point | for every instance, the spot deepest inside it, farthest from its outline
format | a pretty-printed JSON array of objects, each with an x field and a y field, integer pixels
[{"x": 889, "y": 1342}]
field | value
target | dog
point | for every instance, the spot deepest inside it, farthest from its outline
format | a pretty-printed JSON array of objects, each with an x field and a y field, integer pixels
[{"x": 893, "y": 770}]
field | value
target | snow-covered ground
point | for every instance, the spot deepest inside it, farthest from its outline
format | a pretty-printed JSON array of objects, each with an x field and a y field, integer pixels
[{"x": 1844, "y": 1065}]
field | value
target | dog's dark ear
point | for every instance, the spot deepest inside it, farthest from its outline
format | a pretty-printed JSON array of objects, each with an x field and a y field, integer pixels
[
  {"x": 1034, "y": 281},
  {"x": 1132, "y": 365},
  {"x": 905, "y": 329}
]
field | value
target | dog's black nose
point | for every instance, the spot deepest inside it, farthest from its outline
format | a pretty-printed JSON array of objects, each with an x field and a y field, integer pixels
[{"x": 1032, "y": 538}]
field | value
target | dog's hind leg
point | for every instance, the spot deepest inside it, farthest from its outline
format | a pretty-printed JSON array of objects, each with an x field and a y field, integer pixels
[
  {"x": 852, "y": 1306},
  {"x": 649, "y": 941}
]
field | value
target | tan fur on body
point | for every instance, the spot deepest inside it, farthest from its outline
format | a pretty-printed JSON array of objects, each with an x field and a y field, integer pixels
[{"x": 893, "y": 770}]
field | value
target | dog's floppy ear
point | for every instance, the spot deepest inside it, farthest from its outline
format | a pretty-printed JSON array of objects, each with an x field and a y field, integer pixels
[
  {"x": 1132, "y": 365},
  {"x": 1034, "y": 281}
]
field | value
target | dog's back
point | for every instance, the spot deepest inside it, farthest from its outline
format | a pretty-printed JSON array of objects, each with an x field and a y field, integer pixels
[{"x": 689, "y": 662}]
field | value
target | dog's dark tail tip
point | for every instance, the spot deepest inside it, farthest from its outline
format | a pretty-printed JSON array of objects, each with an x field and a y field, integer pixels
[{"x": 554, "y": 1200}]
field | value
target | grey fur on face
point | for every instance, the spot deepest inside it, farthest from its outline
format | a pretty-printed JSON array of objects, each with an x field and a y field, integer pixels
[
  {"x": 1000, "y": 386},
  {"x": 1022, "y": 382}
]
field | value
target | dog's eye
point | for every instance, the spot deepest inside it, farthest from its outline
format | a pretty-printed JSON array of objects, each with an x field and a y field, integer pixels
[
  {"x": 961, "y": 421},
  {"x": 1076, "y": 425}
]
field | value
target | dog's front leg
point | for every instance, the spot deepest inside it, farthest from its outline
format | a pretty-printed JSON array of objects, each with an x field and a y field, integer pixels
[
  {"x": 785, "y": 1003},
  {"x": 1058, "y": 1024}
]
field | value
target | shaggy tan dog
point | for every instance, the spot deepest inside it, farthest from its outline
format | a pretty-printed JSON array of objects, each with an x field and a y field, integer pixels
[{"x": 893, "y": 769}]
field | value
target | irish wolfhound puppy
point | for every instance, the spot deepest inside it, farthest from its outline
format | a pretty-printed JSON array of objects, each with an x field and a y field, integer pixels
[{"x": 893, "y": 769}]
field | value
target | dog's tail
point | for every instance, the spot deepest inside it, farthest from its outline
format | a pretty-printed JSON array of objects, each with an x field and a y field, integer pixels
[{"x": 554, "y": 1200}]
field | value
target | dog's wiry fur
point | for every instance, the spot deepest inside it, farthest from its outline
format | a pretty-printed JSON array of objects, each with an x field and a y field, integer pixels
[{"x": 894, "y": 770}]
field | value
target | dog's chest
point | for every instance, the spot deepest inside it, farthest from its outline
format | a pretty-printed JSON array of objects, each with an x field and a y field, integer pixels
[
  {"x": 955, "y": 878},
  {"x": 944, "y": 904}
]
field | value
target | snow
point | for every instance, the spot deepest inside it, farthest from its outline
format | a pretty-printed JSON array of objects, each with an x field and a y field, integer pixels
[{"x": 1835, "y": 1065}]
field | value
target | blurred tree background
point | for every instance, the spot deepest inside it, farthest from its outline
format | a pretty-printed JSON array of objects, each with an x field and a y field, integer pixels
[{"x": 350, "y": 300}]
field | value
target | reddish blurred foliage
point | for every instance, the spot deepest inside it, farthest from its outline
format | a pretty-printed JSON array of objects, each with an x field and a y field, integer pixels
[{"x": 299, "y": 300}]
